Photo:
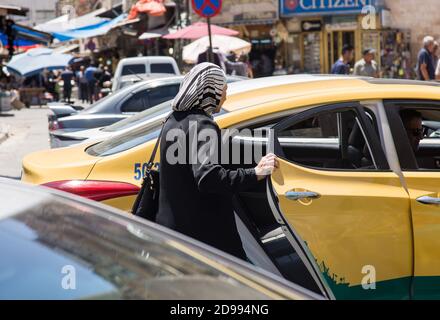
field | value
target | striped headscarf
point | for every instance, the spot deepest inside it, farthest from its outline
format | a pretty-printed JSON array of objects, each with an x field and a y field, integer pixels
[{"x": 202, "y": 88}]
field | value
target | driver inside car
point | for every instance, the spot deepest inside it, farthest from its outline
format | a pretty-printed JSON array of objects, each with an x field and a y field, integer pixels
[{"x": 412, "y": 121}]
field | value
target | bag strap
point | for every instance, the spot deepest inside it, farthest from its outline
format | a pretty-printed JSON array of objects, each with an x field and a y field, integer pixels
[{"x": 150, "y": 163}]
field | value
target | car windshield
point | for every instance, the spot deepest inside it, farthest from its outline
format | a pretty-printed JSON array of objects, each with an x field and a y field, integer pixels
[
  {"x": 133, "y": 138},
  {"x": 143, "y": 116},
  {"x": 57, "y": 248},
  {"x": 133, "y": 69}
]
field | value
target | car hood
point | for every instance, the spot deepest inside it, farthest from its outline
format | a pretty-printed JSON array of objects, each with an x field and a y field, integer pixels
[{"x": 71, "y": 163}]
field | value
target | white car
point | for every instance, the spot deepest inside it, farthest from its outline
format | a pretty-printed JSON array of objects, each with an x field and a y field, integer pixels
[{"x": 144, "y": 66}]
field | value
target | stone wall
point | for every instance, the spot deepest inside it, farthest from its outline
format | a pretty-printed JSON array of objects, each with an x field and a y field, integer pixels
[{"x": 421, "y": 17}]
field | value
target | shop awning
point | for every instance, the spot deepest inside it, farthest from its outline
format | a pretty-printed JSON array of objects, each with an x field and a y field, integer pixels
[
  {"x": 30, "y": 34},
  {"x": 125, "y": 22},
  {"x": 90, "y": 31},
  {"x": 112, "y": 13},
  {"x": 36, "y": 60},
  {"x": 17, "y": 42},
  {"x": 155, "y": 33},
  {"x": 14, "y": 10},
  {"x": 66, "y": 48},
  {"x": 64, "y": 23}
]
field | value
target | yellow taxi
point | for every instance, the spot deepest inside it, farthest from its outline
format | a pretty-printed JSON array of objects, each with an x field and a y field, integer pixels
[{"x": 354, "y": 209}]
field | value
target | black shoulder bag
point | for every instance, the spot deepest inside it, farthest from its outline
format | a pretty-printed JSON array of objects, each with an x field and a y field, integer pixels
[{"x": 147, "y": 201}]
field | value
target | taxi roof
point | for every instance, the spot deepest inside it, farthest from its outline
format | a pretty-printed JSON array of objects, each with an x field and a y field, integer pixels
[{"x": 261, "y": 91}]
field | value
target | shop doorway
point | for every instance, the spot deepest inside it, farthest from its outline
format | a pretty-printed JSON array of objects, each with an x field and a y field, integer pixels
[
  {"x": 262, "y": 57},
  {"x": 312, "y": 52},
  {"x": 335, "y": 41}
]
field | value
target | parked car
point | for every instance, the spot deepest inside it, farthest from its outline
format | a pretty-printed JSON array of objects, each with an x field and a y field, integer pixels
[
  {"x": 60, "y": 110},
  {"x": 127, "y": 101},
  {"x": 154, "y": 116},
  {"x": 149, "y": 65},
  {"x": 353, "y": 196},
  {"x": 129, "y": 80},
  {"x": 121, "y": 105},
  {"x": 57, "y": 246}
]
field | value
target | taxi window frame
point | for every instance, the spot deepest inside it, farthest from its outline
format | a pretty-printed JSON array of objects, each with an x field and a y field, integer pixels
[
  {"x": 370, "y": 133},
  {"x": 405, "y": 154}
]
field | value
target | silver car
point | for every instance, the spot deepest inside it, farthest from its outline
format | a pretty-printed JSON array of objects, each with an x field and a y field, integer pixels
[{"x": 58, "y": 246}]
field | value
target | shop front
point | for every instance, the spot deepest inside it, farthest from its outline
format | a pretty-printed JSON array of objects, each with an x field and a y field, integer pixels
[{"x": 318, "y": 29}]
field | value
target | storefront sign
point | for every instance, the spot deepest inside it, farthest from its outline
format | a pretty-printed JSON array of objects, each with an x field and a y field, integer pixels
[
  {"x": 311, "y": 25},
  {"x": 322, "y": 7},
  {"x": 247, "y": 12}
]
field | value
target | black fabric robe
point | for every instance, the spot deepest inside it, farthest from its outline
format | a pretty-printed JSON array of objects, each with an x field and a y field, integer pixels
[{"x": 196, "y": 198}]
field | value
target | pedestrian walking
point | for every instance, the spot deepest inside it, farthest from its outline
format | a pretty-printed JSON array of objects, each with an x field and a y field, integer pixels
[
  {"x": 245, "y": 59},
  {"x": 67, "y": 76},
  {"x": 199, "y": 202},
  {"x": 91, "y": 82},
  {"x": 425, "y": 62},
  {"x": 51, "y": 81},
  {"x": 82, "y": 84},
  {"x": 367, "y": 66},
  {"x": 98, "y": 75},
  {"x": 106, "y": 76},
  {"x": 342, "y": 65},
  {"x": 435, "y": 58}
]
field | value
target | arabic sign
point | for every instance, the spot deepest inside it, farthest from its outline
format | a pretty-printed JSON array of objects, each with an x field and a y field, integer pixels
[{"x": 323, "y": 7}]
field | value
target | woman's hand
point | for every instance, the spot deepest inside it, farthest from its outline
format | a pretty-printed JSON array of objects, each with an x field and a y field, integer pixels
[{"x": 266, "y": 166}]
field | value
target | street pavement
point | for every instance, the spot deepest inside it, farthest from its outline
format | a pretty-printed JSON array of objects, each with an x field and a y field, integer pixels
[{"x": 26, "y": 131}]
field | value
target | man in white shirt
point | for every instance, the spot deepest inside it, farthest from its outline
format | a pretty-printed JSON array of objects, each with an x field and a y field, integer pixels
[{"x": 367, "y": 67}]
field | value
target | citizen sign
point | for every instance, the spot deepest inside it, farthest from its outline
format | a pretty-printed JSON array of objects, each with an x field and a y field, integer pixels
[{"x": 292, "y": 7}]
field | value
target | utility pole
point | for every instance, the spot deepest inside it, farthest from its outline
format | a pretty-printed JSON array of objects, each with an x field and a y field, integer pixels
[
  {"x": 179, "y": 25},
  {"x": 188, "y": 13}
]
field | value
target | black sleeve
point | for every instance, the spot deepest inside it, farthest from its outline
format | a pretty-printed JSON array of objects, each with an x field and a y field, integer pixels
[{"x": 210, "y": 175}]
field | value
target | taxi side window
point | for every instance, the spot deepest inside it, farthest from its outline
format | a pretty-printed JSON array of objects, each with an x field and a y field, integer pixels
[
  {"x": 328, "y": 140},
  {"x": 421, "y": 128}
]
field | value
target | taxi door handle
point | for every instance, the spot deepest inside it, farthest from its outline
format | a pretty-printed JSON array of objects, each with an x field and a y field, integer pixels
[
  {"x": 429, "y": 200},
  {"x": 294, "y": 196}
]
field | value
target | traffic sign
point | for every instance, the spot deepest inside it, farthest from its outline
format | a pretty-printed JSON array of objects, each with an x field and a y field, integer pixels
[{"x": 207, "y": 8}]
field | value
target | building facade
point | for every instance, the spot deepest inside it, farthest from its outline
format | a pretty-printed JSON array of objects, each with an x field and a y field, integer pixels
[
  {"x": 39, "y": 11},
  {"x": 307, "y": 35},
  {"x": 318, "y": 29},
  {"x": 82, "y": 7},
  {"x": 422, "y": 17}
]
